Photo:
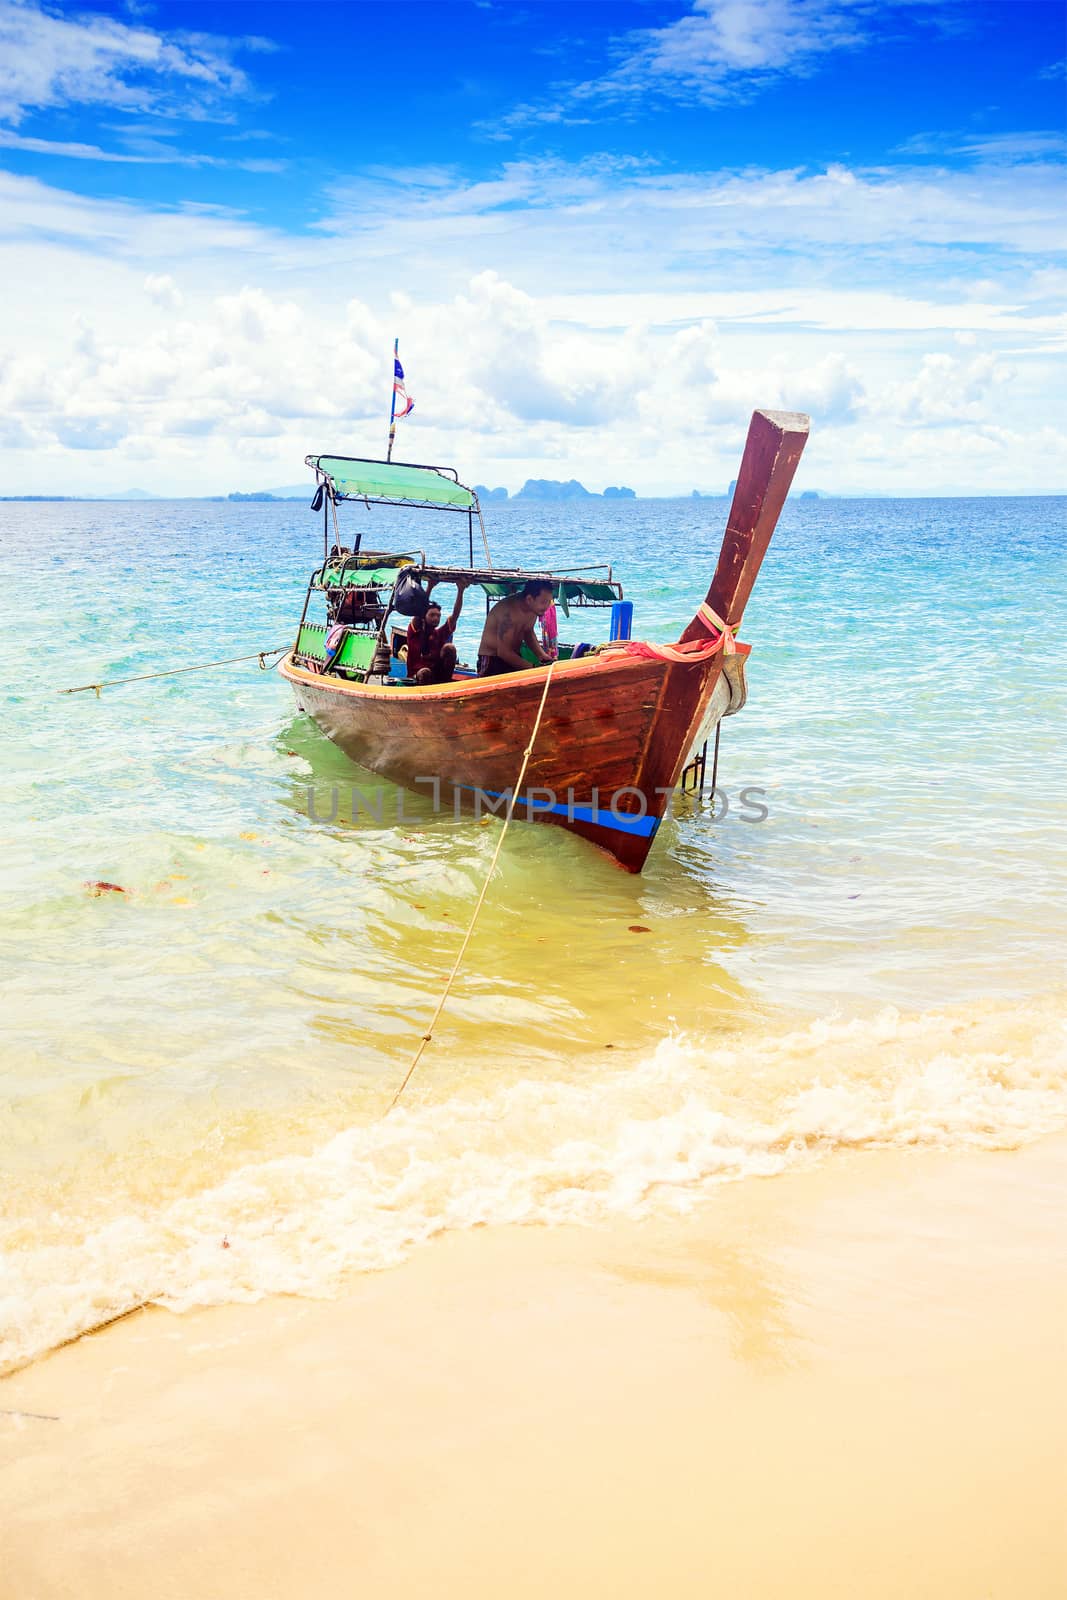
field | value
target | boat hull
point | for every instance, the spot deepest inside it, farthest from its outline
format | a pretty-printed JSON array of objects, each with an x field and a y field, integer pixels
[{"x": 613, "y": 740}]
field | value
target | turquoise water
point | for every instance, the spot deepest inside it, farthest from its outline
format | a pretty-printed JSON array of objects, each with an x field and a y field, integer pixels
[{"x": 207, "y": 1056}]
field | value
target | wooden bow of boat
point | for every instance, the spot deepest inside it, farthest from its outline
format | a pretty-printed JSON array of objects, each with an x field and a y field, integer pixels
[
  {"x": 617, "y": 727},
  {"x": 773, "y": 449}
]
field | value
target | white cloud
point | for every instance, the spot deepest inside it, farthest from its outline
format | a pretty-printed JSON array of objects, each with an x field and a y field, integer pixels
[
  {"x": 537, "y": 372},
  {"x": 722, "y": 38},
  {"x": 949, "y": 389},
  {"x": 1009, "y": 147},
  {"x": 48, "y": 59},
  {"x": 139, "y": 153},
  {"x": 242, "y": 367},
  {"x": 14, "y": 435},
  {"x": 31, "y": 210},
  {"x": 589, "y": 220},
  {"x": 558, "y": 229},
  {"x": 161, "y": 288},
  {"x": 604, "y": 323},
  {"x": 89, "y": 430},
  {"x": 832, "y": 389},
  {"x": 70, "y": 149},
  {"x": 724, "y": 49},
  {"x": 255, "y": 376}
]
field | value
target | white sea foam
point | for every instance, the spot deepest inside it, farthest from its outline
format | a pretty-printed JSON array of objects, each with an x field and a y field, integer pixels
[{"x": 654, "y": 1135}]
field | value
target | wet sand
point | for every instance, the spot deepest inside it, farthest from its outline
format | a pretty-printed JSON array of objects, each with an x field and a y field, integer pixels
[{"x": 845, "y": 1381}]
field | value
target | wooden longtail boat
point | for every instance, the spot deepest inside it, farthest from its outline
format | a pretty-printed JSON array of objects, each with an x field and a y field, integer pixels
[{"x": 619, "y": 724}]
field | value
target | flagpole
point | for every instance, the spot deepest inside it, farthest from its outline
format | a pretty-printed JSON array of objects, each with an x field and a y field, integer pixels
[{"x": 392, "y": 407}]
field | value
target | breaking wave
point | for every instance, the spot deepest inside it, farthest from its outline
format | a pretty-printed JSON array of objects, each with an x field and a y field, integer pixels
[{"x": 648, "y": 1136}]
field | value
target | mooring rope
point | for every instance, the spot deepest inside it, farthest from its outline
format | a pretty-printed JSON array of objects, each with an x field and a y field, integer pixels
[
  {"x": 428, "y": 1035},
  {"x": 10, "y": 1368},
  {"x": 143, "y": 677}
]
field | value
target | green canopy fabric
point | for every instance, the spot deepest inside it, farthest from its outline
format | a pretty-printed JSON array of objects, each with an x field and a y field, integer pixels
[
  {"x": 393, "y": 482},
  {"x": 361, "y": 577},
  {"x": 564, "y": 588}
]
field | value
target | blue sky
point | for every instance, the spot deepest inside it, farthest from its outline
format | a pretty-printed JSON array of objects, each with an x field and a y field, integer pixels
[{"x": 602, "y": 232}]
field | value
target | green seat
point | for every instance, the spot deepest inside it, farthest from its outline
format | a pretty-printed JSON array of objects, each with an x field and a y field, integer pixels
[
  {"x": 355, "y": 654},
  {"x": 312, "y": 641}
]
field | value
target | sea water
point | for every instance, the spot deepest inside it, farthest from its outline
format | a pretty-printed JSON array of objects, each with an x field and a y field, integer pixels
[{"x": 858, "y": 940}]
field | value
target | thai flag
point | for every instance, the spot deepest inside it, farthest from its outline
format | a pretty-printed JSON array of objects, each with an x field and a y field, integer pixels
[{"x": 401, "y": 402}]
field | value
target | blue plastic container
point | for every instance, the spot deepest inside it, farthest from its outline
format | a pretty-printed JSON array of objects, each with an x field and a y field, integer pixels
[{"x": 622, "y": 619}]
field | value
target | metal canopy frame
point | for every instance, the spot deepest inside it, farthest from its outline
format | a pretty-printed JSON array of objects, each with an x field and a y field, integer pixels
[
  {"x": 388, "y": 500},
  {"x": 350, "y": 571},
  {"x": 514, "y": 577},
  {"x": 473, "y": 510}
]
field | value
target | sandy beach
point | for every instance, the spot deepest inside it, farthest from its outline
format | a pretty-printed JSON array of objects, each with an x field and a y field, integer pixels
[{"x": 847, "y": 1380}]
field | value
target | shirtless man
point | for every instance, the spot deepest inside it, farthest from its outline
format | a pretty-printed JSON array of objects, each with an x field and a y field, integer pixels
[{"x": 509, "y": 626}]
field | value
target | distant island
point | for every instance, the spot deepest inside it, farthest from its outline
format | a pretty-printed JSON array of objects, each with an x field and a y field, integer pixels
[
  {"x": 711, "y": 494},
  {"x": 489, "y": 494},
  {"x": 291, "y": 491},
  {"x": 121, "y": 494},
  {"x": 554, "y": 489}
]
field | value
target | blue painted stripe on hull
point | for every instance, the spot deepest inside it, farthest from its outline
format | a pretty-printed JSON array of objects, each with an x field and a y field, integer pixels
[{"x": 618, "y": 822}]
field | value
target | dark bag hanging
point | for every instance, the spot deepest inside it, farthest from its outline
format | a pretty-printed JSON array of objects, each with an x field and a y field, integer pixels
[{"x": 409, "y": 597}]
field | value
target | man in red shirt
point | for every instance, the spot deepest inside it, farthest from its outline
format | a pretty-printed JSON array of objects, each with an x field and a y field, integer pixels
[{"x": 431, "y": 655}]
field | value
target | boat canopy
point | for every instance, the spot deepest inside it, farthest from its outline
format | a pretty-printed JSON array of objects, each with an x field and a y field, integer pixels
[
  {"x": 371, "y": 576},
  {"x": 393, "y": 483},
  {"x": 597, "y": 592},
  {"x": 379, "y": 572}
]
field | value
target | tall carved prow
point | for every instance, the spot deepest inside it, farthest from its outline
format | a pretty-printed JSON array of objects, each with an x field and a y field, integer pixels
[{"x": 772, "y": 450}]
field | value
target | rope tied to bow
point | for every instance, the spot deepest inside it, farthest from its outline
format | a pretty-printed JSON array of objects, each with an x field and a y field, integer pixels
[{"x": 691, "y": 652}]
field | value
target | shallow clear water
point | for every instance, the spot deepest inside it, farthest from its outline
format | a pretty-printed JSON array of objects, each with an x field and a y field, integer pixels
[{"x": 207, "y": 1057}]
